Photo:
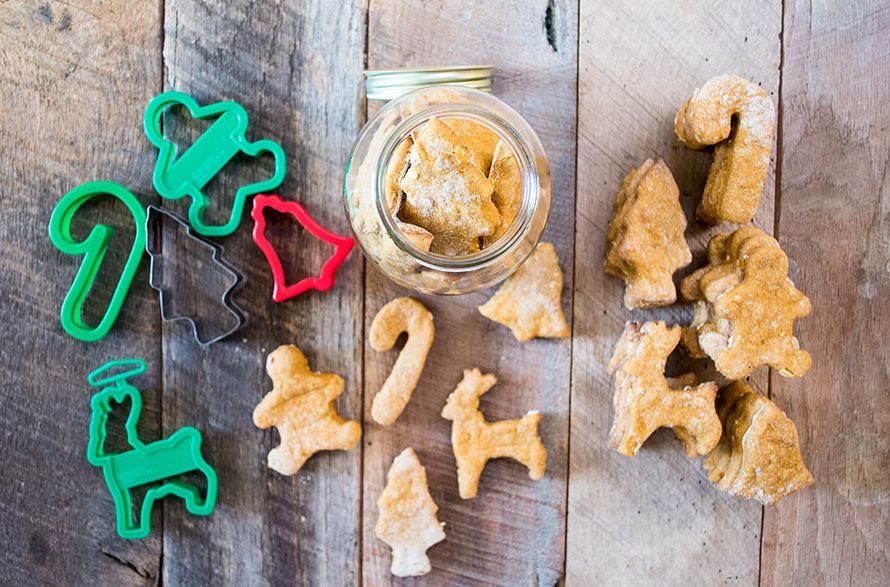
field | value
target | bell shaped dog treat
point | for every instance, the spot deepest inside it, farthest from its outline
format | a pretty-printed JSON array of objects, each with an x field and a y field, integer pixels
[
  {"x": 528, "y": 302},
  {"x": 739, "y": 118},
  {"x": 746, "y": 306},
  {"x": 475, "y": 440},
  {"x": 646, "y": 244},
  {"x": 758, "y": 456},
  {"x": 301, "y": 406},
  {"x": 408, "y": 521},
  {"x": 644, "y": 400}
]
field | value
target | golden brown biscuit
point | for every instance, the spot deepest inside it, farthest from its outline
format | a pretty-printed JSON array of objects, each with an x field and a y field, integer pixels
[
  {"x": 475, "y": 441},
  {"x": 445, "y": 193},
  {"x": 395, "y": 171},
  {"x": 643, "y": 400},
  {"x": 646, "y": 244},
  {"x": 746, "y": 305},
  {"x": 408, "y": 522},
  {"x": 758, "y": 456},
  {"x": 398, "y": 316},
  {"x": 477, "y": 139},
  {"x": 739, "y": 118},
  {"x": 301, "y": 406},
  {"x": 506, "y": 179},
  {"x": 528, "y": 302},
  {"x": 418, "y": 237}
]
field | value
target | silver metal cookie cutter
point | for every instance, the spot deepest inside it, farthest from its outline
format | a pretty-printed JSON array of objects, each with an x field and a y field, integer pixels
[{"x": 154, "y": 218}]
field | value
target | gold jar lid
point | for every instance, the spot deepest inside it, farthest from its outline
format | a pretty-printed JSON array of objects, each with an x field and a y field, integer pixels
[{"x": 388, "y": 84}]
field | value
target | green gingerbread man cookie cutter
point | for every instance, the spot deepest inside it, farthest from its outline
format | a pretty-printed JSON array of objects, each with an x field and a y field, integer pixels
[
  {"x": 176, "y": 176},
  {"x": 93, "y": 248},
  {"x": 146, "y": 464}
]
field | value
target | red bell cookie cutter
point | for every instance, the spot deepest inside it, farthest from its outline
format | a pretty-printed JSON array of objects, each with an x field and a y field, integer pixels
[{"x": 282, "y": 290}]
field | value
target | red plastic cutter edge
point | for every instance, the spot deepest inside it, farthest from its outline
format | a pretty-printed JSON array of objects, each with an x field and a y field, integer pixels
[{"x": 281, "y": 291}]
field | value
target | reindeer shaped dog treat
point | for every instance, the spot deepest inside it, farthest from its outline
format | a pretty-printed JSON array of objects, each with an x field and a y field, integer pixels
[
  {"x": 153, "y": 464},
  {"x": 301, "y": 406},
  {"x": 475, "y": 441},
  {"x": 644, "y": 401}
]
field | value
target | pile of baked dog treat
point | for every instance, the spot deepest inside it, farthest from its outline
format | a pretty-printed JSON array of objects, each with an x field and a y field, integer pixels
[{"x": 745, "y": 304}]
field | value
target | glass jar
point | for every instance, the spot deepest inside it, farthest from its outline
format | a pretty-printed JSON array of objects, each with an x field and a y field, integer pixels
[{"x": 375, "y": 227}]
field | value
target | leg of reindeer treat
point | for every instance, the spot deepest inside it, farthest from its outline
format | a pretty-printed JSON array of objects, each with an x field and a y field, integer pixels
[
  {"x": 285, "y": 460},
  {"x": 468, "y": 472}
]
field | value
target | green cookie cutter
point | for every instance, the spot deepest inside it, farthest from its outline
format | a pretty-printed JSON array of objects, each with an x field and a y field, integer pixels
[
  {"x": 146, "y": 463},
  {"x": 93, "y": 248},
  {"x": 186, "y": 175}
]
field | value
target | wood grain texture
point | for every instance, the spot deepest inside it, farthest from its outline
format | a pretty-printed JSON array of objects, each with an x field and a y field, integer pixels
[
  {"x": 835, "y": 226},
  {"x": 653, "y": 515},
  {"x": 512, "y": 533},
  {"x": 69, "y": 117},
  {"x": 296, "y": 68}
]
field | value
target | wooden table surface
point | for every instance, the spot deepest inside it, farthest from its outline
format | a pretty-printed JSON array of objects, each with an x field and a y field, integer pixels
[{"x": 600, "y": 81}]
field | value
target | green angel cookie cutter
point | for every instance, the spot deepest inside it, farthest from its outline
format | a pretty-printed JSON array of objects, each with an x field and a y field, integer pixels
[
  {"x": 146, "y": 464},
  {"x": 176, "y": 176},
  {"x": 94, "y": 248}
]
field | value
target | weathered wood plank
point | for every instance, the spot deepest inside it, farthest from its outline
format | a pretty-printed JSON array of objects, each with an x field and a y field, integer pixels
[
  {"x": 513, "y": 532},
  {"x": 654, "y": 515},
  {"x": 296, "y": 67},
  {"x": 835, "y": 226},
  {"x": 69, "y": 117}
]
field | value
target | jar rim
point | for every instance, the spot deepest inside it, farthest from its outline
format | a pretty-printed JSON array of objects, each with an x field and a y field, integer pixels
[{"x": 507, "y": 131}]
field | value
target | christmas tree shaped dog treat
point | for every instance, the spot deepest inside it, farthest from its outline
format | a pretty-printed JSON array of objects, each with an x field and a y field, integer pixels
[
  {"x": 408, "y": 521},
  {"x": 301, "y": 406},
  {"x": 746, "y": 306},
  {"x": 446, "y": 193},
  {"x": 643, "y": 398},
  {"x": 646, "y": 244},
  {"x": 475, "y": 440},
  {"x": 759, "y": 454},
  {"x": 528, "y": 302}
]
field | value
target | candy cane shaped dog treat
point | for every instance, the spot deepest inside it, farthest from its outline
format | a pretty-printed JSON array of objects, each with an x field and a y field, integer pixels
[
  {"x": 739, "y": 118},
  {"x": 398, "y": 316}
]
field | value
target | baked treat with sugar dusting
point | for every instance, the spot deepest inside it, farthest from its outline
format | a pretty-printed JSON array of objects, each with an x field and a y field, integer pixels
[
  {"x": 408, "y": 522},
  {"x": 644, "y": 400},
  {"x": 758, "y": 456},
  {"x": 739, "y": 118},
  {"x": 746, "y": 306},
  {"x": 529, "y": 301},
  {"x": 646, "y": 243}
]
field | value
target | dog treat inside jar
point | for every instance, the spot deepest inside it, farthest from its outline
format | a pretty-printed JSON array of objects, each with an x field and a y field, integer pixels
[{"x": 447, "y": 189}]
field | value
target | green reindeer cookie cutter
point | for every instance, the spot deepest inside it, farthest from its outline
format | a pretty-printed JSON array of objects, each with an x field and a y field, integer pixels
[
  {"x": 188, "y": 174},
  {"x": 147, "y": 463},
  {"x": 94, "y": 248}
]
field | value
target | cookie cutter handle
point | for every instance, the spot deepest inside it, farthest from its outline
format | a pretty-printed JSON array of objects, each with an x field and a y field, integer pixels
[{"x": 138, "y": 368}]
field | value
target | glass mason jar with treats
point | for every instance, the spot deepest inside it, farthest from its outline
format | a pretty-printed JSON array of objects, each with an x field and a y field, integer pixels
[{"x": 447, "y": 189}]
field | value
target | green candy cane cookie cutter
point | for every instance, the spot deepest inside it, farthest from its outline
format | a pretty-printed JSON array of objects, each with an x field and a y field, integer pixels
[
  {"x": 146, "y": 464},
  {"x": 94, "y": 248},
  {"x": 176, "y": 176}
]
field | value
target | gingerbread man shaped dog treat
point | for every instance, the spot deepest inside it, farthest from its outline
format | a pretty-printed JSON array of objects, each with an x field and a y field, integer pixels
[
  {"x": 475, "y": 441},
  {"x": 301, "y": 406},
  {"x": 758, "y": 456},
  {"x": 646, "y": 243},
  {"x": 644, "y": 401},
  {"x": 746, "y": 306},
  {"x": 738, "y": 117}
]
